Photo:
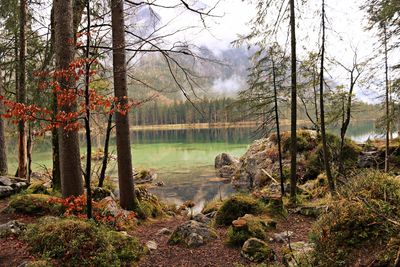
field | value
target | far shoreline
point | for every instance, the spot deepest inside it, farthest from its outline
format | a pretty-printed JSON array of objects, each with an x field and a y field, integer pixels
[{"x": 222, "y": 125}]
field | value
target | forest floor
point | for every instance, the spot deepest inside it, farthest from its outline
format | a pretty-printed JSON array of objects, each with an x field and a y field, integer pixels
[{"x": 14, "y": 252}]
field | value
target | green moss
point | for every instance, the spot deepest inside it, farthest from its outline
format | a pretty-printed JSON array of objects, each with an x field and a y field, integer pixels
[
  {"x": 212, "y": 206},
  {"x": 305, "y": 141},
  {"x": 73, "y": 242},
  {"x": 149, "y": 209},
  {"x": 35, "y": 204},
  {"x": 39, "y": 263},
  {"x": 255, "y": 227},
  {"x": 315, "y": 164},
  {"x": 37, "y": 187},
  {"x": 358, "y": 218},
  {"x": 237, "y": 206}
]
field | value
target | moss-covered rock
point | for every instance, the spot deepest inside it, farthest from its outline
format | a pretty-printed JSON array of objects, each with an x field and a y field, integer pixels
[
  {"x": 35, "y": 204},
  {"x": 257, "y": 250},
  {"x": 247, "y": 227},
  {"x": 237, "y": 206},
  {"x": 73, "y": 242},
  {"x": 192, "y": 234},
  {"x": 38, "y": 187}
]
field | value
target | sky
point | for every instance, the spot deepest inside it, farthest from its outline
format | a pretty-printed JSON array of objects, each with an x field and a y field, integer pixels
[{"x": 346, "y": 31}]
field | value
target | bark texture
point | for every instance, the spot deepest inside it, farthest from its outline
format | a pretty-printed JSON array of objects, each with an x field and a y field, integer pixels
[
  {"x": 125, "y": 172},
  {"x": 3, "y": 148},
  {"x": 70, "y": 163},
  {"x": 21, "y": 92},
  {"x": 293, "y": 107}
]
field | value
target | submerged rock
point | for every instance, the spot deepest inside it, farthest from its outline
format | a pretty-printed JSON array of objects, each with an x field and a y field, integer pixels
[
  {"x": 257, "y": 250},
  {"x": 144, "y": 176},
  {"x": 225, "y": 159},
  {"x": 192, "y": 234}
]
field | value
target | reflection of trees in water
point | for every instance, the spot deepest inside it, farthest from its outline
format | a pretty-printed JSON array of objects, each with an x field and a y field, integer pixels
[{"x": 234, "y": 136}]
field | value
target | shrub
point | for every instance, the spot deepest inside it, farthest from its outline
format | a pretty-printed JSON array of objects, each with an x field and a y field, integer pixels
[
  {"x": 363, "y": 215},
  {"x": 35, "y": 204},
  {"x": 73, "y": 242},
  {"x": 315, "y": 163},
  {"x": 237, "y": 206}
]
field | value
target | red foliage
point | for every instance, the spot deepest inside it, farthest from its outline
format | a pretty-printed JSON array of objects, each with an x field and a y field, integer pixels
[
  {"x": 76, "y": 207},
  {"x": 70, "y": 97}
]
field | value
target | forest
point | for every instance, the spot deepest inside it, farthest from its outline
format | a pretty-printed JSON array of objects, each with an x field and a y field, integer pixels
[{"x": 199, "y": 133}]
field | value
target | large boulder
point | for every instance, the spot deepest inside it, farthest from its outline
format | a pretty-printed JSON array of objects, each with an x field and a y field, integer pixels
[
  {"x": 192, "y": 234},
  {"x": 5, "y": 181},
  {"x": 109, "y": 206},
  {"x": 225, "y": 159},
  {"x": 226, "y": 165},
  {"x": 257, "y": 250},
  {"x": 237, "y": 206},
  {"x": 247, "y": 227}
]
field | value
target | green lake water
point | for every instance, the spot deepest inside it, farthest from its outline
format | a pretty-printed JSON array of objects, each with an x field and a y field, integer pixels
[{"x": 183, "y": 159}]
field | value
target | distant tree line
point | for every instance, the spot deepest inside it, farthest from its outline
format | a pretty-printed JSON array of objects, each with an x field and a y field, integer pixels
[{"x": 221, "y": 110}]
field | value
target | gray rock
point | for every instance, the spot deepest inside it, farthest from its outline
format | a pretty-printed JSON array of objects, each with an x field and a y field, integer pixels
[
  {"x": 225, "y": 159},
  {"x": 12, "y": 227},
  {"x": 19, "y": 186},
  {"x": 298, "y": 254},
  {"x": 227, "y": 171},
  {"x": 283, "y": 237},
  {"x": 164, "y": 231},
  {"x": 6, "y": 191},
  {"x": 201, "y": 218},
  {"x": 183, "y": 234},
  {"x": 257, "y": 250},
  {"x": 195, "y": 240},
  {"x": 5, "y": 181},
  {"x": 151, "y": 245}
]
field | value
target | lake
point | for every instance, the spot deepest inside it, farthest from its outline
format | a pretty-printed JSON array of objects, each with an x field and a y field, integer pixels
[{"x": 183, "y": 159}]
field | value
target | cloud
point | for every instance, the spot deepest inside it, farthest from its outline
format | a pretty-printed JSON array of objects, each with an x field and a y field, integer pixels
[{"x": 229, "y": 86}]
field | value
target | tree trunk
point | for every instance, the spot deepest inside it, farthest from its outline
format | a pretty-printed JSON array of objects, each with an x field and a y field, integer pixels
[
  {"x": 56, "y": 175},
  {"x": 278, "y": 131},
  {"x": 293, "y": 109},
  {"x": 70, "y": 163},
  {"x": 387, "y": 108},
  {"x": 125, "y": 172},
  {"x": 106, "y": 147},
  {"x": 3, "y": 148},
  {"x": 322, "y": 111},
  {"x": 21, "y": 93},
  {"x": 88, "y": 172}
]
